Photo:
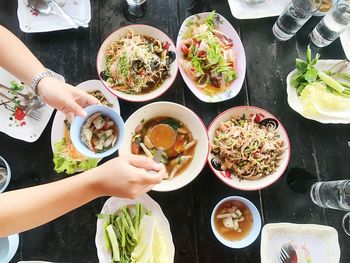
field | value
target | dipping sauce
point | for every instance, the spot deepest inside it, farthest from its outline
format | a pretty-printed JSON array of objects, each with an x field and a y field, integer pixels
[{"x": 233, "y": 220}]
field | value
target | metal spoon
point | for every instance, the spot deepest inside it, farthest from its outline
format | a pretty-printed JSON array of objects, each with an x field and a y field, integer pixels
[{"x": 44, "y": 7}]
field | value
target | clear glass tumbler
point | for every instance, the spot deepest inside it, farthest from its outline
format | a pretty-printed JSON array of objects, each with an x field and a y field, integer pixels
[
  {"x": 136, "y": 9},
  {"x": 336, "y": 21},
  {"x": 332, "y": 194},
  {"x": 294, "y": 17},
  {"x": 346, "y": 223}
]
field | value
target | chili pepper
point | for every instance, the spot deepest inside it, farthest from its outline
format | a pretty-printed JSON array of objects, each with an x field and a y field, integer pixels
[{"x": 19, "y": 114}]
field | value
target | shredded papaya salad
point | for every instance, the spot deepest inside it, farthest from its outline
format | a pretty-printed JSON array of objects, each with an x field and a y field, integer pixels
[
  {"x": 246, "y": 148},
  {"x": 209, "y": 58},
  {"x": 137, "y": 64}
]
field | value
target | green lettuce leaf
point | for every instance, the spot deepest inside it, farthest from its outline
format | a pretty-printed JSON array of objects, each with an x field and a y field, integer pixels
[{"x": 64, "y": 163}]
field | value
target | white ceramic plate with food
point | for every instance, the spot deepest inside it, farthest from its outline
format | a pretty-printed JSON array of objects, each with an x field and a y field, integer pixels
[
  {"x": 16, "y": 126},
  {"x": 345, "y": 41},
  {"x": 311, "y": 243},
  {"x": 295, "y": 103},
  {"x": 242, "y": 10},
  {"x": 113, "y": 204},
  {"x": 171, "y": 113},
  {"x": 58, "y": 130},
  {"x": 279, "y": 161},
  {"x": 234, "y": 53},
  {"x": 32, "y": 22},
  {"x": 140, "y": 62},
  {"x": 58, "y": 126}
]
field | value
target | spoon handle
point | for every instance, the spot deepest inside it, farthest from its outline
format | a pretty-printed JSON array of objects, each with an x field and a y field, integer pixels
[
  {"x": 64, "y": 14},
  {"x": 77, "y": 21}
]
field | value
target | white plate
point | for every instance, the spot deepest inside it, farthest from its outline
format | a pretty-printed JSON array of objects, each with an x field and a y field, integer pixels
[
  {"x": 345, "y": 41},
  {"x": 236, "y": 85},
  {"x": 113, "y": 204},
  {"x": 31, "y": 129},
  {"x": 191, "y": 120},
  {"x": 57, "y": 131},
  {"x": 32, "y": 22},
  {"x": 141, "y": 30},
  {"x": 242, "y": 10},
  {"x": 295, "y": 104},
  {"x": 234, "y": 181},
  {"x": 321, "y": 241}
]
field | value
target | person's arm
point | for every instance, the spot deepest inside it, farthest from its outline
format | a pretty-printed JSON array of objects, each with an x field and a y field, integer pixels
[
  {"x": 125, "y": 176},
  {"x": 17, "y": 59}
]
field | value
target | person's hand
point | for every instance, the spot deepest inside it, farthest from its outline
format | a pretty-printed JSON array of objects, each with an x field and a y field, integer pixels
[
  {"x": 64, "y": 97},
  {"x": 127, "y": 176}
]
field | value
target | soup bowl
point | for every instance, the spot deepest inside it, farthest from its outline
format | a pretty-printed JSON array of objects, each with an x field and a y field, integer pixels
[
  {"x": 190, "y": 120},
  {"x": 78, "y": 123},
  {"x": 144, "y": 30},
  {"x": 250, "y": 236}
]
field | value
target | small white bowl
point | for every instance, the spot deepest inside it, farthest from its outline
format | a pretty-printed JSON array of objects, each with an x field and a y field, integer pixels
[
  {"x": 254, "y": 232},
  {"x": 4, "y": 184},
  {"x": 234, "y": 181},
  {"x": 191, "y": 120},
  {"x": 142, "y": 30},
  {"x": 78, "y": 122},
  {"x": 8, "y": 247}
]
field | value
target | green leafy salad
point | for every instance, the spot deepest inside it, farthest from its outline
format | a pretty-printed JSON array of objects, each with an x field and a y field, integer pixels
[
  {"x": 324, "y": 92},
  {"x": 67, "y": 159}
]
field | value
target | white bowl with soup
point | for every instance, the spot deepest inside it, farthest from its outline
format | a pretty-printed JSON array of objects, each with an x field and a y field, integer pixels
[
  {"x": 137, "y": 63},
  {"x": 236, "y": 222},
  {"x": 177, "y": 130}
]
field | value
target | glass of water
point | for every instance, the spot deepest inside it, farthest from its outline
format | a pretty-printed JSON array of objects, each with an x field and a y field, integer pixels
[
  {"x": 136, "y": 9},
  {"x": 332, "y": 194},
  {"x": 332, "y": 25},
  {"x": 294, "y": 17}
]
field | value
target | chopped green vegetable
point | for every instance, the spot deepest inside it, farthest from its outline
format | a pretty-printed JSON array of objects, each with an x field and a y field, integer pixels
[{"x": 114, "y": 242}]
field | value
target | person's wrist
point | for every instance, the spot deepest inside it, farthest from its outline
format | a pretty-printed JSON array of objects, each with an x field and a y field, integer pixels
[
  {"x": 44, "y": 84},
  {"x": 94, "y": 182}
]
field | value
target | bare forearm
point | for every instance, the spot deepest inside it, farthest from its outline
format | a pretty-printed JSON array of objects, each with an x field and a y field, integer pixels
[
  {"x": 28, "y": 208},
  {"x": 16, "y": 58}
]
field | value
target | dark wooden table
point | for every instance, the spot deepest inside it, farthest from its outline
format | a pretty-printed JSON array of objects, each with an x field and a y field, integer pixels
[{"x": 323, "y": 150}]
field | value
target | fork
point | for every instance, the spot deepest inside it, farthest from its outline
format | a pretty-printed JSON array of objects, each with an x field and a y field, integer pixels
[
  {"x": 283, "y": 255},
  {"x": 27, "y": 97},
  {"x": 29, "y": 109}
]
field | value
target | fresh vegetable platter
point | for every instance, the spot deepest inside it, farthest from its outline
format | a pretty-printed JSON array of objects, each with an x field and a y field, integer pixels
[{"x": 133, "y": 231}]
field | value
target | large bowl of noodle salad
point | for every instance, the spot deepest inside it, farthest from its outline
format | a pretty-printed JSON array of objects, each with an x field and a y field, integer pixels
[
  {"x": 137, "y": 63},
  {"x": 249, "y": 148}
]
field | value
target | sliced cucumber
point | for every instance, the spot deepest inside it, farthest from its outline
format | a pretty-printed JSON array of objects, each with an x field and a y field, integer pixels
[
  {"x": 331, "y": 82},
  {"x": 114, "y": 242}
]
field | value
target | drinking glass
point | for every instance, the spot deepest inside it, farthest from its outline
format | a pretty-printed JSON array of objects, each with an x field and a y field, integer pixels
[
  {"x": 136, "y": 9},
  {"x": 294, "y": 17},
  {"x": 346, "y": 223},
  {"x": 332, "y": 25},
  {"x": 332, "y": 194}
]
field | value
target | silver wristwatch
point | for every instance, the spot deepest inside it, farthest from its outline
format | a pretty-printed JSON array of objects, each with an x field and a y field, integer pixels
[{"x": 38, "y": 77}]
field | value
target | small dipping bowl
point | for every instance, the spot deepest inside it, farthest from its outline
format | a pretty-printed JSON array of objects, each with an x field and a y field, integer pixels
[
  {"x": 4, "y": 183},
  {"x": 251, "y": 236},
  {"x": 78, "y": 122},
  {"x": 8, "y": 247},
  {"x": 167, "y": 140}
]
